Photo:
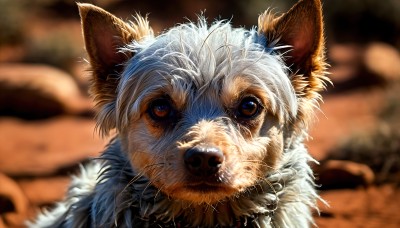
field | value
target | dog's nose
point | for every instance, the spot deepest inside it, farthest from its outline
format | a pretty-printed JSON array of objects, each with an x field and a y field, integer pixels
[{"x": 203, "y": 161}]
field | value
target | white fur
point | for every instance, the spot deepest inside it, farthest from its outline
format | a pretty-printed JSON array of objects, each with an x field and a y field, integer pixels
[
  {"x": 195, "y": 55},
  {"x": 80, "y": 186}
]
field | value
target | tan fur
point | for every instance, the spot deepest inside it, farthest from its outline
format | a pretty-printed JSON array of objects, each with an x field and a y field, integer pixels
[
  {"x": 240, "y": 87},
  {"x": 248, "y": 153}
]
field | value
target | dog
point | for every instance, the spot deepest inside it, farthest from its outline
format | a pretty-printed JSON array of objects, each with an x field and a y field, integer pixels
[{"x": 209, "y": 119}]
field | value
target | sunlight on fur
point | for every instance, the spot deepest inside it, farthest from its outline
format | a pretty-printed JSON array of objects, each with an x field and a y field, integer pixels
[{"x": 210, "y": 123}]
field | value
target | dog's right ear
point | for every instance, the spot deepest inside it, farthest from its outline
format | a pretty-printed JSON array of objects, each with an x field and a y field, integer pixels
[{"x": 104, "y": 36}]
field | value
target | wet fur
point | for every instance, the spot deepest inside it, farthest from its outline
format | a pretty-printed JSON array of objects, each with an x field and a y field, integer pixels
[{"x": 141, "y": 180}]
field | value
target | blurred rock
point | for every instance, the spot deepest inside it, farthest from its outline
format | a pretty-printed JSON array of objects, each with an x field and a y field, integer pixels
[
  {"x": 348, "y": 68},
  {"x": 44, "y": 190},
  {"x": 39, "y": 91},
  {"x": 346, "y": 61},
  {"x": 13, "y": 203},
  {"x": 383, "y": 60},
  {"x": 343, "y": 174},
  {"x": 46, "y": 147}
]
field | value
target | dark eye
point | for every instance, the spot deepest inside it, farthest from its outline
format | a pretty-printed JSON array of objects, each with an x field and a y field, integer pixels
[
  {"x": 248, "y": 108},
  {"x": 160, "y": 109}
]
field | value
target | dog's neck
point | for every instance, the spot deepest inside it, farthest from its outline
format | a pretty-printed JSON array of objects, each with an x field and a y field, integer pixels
[{"x": 134, "y": 197}]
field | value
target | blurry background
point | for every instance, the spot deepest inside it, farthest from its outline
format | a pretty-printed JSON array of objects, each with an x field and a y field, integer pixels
[{"x": 46, "y": 117}]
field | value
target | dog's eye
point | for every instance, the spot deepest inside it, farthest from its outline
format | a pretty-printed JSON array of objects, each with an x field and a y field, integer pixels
[
  {"x": 160, "y": 109},
  {"x": 249, "y": 107}
]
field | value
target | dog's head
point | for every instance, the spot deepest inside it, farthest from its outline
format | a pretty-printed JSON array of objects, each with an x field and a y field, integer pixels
[{"x": 205, "y": 112}]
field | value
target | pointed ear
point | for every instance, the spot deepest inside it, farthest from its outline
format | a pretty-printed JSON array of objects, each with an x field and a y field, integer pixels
[
  {"x": 302, "y": 29},
  {"x": 104, "y": 36}
]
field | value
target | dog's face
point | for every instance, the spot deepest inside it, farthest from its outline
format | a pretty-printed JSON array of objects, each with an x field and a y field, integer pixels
[
  {"x": 204, "y": 116},
  {"x": 204, "y": 112}
]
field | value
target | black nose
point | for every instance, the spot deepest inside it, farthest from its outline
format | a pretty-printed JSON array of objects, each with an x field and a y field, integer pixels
[{"x": 203, "y": 161}]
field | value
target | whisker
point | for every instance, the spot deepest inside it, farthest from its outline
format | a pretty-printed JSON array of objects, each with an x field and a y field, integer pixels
[{"x": 140, "y": 175}]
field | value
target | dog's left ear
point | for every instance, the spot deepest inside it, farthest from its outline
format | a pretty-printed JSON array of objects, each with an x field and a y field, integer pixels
[
  {"x": 104, "y": 36},
  {"x": 301, "y": 28}
]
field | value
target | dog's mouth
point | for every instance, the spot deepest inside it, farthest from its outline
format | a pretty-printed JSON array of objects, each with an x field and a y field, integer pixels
[
  {"x": 206, "y": 184},
  {"x": 204, "y": 192},
  {"x": 204, "y": 187}
]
